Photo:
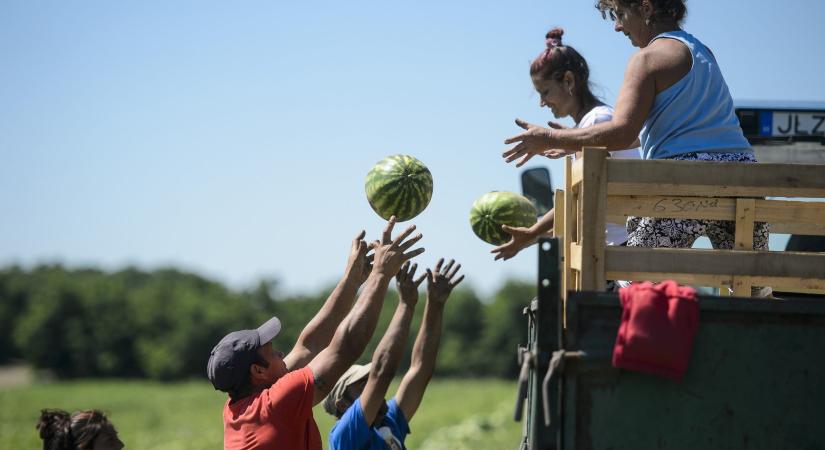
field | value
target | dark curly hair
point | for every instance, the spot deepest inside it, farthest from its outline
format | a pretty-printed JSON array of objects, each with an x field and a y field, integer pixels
[
  {"x": 662, "y": 9},
  {"x": 61, "y": 431}
]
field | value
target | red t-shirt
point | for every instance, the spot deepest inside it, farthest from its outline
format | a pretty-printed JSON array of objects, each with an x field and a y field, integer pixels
[{"x": 276, "y": 418}]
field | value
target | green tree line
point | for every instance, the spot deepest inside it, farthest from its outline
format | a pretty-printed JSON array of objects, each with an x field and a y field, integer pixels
[{"x": 162, "y": 324}]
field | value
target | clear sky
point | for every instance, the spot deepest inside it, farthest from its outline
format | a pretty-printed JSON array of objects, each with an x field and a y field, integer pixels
[{"x": 233, "y": 138}]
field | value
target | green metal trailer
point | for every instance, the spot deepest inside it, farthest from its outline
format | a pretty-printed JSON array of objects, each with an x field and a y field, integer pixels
[{"x": 756, "y": 377}]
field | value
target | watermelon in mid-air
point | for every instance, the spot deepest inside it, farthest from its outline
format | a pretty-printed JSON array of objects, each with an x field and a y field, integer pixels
[
  {"x": 399, "y": 185},
  {"x": 494, "y": 209}
]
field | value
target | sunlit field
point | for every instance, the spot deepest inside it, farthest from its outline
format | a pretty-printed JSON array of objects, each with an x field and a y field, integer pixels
[{"x": 455, "y": 414}]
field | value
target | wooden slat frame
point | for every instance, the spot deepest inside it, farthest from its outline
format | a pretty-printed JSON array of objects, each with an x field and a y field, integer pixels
[{"x": 692, "y": 190}]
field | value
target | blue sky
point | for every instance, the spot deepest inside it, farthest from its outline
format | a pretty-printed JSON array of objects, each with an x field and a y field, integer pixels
[{"x": 232, "y": 138}]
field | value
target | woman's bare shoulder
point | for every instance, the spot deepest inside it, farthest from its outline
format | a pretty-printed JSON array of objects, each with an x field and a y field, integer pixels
[{"x": 667, "y": 60}]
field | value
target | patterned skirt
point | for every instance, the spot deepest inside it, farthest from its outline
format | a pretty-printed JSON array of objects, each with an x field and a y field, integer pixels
[{"x": 682, "y": 233}]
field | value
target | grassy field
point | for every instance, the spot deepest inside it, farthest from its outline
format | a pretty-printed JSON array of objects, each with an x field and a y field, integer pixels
[{"x": 455, "y": 414}]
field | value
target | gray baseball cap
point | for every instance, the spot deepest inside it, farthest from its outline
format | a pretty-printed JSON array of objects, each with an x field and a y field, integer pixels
[{"x": 229, "y": 362}]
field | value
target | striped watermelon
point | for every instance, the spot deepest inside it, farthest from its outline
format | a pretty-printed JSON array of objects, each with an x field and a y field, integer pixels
[
  {"x": 399, "y": 185},
  {"x": 494, "y": 209}
]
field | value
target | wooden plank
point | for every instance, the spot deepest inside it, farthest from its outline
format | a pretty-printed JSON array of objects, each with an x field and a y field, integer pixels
[
  {"x": 716, "y": 262},
  {"x": 743, "y": 240},
  {"x": 783, "y": 211},
  {"x": 675, "y": 207},
  {"x": 558, "y": 232},
  {"x": 593, "y": 210},
  {"x": 795, "y": 228},
  {"x": 575, "y": 256},
  {"x": 569, "y": 224},
  {"x": 702, "y": 178},
  {"x": 694, "y": 279},
  {"x": 576, "y": 173},
  {"x": 558, "y": 213},
  {"x": 711, "y": 191},
  {"x": 789, "y": 284},
  {"x": 791, "y": 217},
  {"x": 745, "y": 216},
  {"x": 741, "y": 286}
]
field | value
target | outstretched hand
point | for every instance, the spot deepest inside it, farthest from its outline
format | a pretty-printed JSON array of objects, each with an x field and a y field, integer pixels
[
  {"x": 440, "y": 281},
  {"x": 407, "y": 284},
  {"x": 521, "y": 238},
  {"x": 532, "y": 142},
  {"x": 359, "y": 264},
  {"x": 390, "y": 253}
]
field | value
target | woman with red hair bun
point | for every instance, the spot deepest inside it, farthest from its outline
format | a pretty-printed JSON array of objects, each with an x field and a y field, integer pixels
[{"x": 561, "y": 77}]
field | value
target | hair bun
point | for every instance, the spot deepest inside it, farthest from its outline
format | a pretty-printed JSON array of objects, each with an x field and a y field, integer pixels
[{"x": 553, "y": 37}]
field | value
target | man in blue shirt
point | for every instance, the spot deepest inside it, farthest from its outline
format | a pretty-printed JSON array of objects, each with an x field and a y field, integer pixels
[{"x": 365, "y": 420}]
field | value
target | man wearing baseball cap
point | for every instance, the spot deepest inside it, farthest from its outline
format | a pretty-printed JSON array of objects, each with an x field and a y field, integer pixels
[
  {"x": 365, "y": 420},
  {"x": 271, "y": 395}
]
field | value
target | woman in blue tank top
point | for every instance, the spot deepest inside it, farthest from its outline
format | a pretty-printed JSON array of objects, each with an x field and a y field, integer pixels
[{"x": 675, "y": 101}]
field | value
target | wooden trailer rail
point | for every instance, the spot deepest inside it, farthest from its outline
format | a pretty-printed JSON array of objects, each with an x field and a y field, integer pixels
[{"x": 601, "y": 189}]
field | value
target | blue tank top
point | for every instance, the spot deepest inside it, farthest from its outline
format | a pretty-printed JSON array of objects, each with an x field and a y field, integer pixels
[{"x": 695, "y": 114}]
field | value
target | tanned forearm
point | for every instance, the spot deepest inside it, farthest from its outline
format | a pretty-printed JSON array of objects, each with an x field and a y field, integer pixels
[
  {"x": 613, "y": 135},
  {"x": 317, "y": 335},
  {"x": 351, "y": 336},
  {"x": 355, "y": 332},
  {"x": 545, "y": 224},
  {"x": 425, "y": 352},
  {"x": 385, "y": 361}
]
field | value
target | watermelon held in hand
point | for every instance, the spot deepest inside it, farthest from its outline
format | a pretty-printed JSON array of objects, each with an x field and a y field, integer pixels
[
  {"x": 399, "y": 185},
  {"x": 494, "y": 209}
]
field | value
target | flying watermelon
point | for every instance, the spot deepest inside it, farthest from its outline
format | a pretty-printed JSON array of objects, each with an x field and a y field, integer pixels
[
  {"x": 399, "y": 185},
  {"x": 494, "y": 209}
]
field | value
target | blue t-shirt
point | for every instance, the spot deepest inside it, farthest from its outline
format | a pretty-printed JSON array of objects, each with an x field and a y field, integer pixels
[{"x": 351, "y": 431}]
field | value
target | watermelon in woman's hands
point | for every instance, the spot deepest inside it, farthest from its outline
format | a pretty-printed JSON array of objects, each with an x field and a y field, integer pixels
[
  {"x": 494, "y": 209},
  {"x": 399, "y": 185}
]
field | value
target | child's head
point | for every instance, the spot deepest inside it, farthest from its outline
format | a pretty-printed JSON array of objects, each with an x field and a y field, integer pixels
[
  {"x": 561, "y": 77},
  {"x": 86, "y": 430}
]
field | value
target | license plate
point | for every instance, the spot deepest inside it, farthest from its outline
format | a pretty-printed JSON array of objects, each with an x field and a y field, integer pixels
[{"x": 792, "y": 124}]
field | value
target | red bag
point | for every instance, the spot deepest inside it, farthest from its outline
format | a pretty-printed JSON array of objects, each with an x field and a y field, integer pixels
[{"x": 659, "y": 322}]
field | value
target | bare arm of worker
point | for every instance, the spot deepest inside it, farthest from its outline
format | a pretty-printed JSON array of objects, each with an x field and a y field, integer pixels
[
  {"x": 523, "y": 237},
  {"x": 355, "y": 331},
  {"x": 319, "y": 331},
  {"x": 657, "y": 65},
  {"x": 439, "y": 286},
  {"x": 388, "y": 354}
]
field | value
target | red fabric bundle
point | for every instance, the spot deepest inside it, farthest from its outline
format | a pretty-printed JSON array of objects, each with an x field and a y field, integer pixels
[{"x": 657, "y": 329}]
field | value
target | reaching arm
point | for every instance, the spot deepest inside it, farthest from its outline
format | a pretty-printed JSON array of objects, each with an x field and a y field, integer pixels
[
  {"x": 387, "y": 356},
  {"x": 319, "y": 331},
  {"x": 353, "y": 334},
  {"x": 412, "y": 387},
  {"x": 523, "y": 237}
]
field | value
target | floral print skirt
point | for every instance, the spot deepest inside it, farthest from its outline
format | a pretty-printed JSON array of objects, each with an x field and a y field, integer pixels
[{"x": 682, "y": 233}]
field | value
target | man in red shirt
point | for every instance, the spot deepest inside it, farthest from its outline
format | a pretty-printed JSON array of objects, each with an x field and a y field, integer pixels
[{"x": 271, "y": 395}]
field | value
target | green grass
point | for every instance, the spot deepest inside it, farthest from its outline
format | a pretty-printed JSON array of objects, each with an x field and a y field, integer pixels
[{"x": 455, "y": 414}]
